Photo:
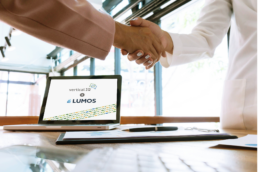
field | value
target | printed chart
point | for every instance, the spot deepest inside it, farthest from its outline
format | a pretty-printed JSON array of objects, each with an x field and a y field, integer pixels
[{"x": 85, "y": 114}]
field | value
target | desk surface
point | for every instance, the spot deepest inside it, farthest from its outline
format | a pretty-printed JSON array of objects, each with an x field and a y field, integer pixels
[{"x": 239, "y": 159}]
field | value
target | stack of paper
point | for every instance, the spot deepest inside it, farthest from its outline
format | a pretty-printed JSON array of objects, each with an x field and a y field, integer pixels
[
  {"x": 249, "y": 141},
  {"x": 125, "y": 134}
]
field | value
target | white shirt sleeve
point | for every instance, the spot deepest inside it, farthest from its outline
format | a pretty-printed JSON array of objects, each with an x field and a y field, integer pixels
[{"x": 212, "y": 25}]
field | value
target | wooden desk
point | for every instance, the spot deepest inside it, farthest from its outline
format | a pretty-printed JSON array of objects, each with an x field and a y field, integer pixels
[{"x": 239, "y": 159}]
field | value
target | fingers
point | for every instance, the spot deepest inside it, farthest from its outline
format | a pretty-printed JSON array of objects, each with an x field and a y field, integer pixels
[
  {"x": 148, "y": 67},
  {"x": 148, "y": 64},
  {"x": 144, "y": 58},
  {"x": 124, "y": 52},
  {"x": 138, "y": 21},
  {"x": 135, "y": 55}
]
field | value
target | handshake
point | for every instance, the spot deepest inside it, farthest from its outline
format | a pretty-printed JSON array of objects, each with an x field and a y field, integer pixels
[{"x": 145, "y": 41}]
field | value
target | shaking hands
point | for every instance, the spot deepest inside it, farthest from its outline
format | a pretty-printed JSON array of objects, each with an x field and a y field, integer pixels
[{"x": 144, "y": 41}]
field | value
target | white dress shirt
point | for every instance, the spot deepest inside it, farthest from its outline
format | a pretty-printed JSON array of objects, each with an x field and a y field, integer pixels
[{"x": 239, "y": 103}]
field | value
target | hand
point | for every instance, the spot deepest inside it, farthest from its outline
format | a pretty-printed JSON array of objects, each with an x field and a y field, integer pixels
[
  {"x": 134, "y": 38},
  {"x": 164, "y": 37}
]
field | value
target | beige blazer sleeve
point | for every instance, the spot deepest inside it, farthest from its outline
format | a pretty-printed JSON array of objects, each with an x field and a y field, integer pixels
[{"x": 72, "y": 24}]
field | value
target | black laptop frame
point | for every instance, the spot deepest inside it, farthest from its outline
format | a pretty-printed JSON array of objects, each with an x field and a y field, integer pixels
[{"x": 88, "y": 122}]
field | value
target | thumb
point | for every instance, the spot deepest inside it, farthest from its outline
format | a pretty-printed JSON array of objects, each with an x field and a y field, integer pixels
[
  {"x": 138, "y": 21},
  {"x": 156, "y": 30}
]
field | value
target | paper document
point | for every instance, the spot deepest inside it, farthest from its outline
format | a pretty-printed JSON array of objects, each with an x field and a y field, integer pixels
[
  {"x": 125, "y": 134},
  {"x": 249, "y": 141}
]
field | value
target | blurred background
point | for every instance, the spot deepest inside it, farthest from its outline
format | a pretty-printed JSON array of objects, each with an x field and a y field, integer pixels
[{"x": 192, "y": 89}]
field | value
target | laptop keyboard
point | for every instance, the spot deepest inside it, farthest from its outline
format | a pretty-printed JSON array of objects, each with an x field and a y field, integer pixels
[{"x": 123, "y": 160}]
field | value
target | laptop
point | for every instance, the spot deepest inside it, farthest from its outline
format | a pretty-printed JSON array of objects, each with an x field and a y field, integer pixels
[{"x": 78, "y": 103}]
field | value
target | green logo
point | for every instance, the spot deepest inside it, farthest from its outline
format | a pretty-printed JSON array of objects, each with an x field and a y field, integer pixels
[{"x": 94, "y": 86}]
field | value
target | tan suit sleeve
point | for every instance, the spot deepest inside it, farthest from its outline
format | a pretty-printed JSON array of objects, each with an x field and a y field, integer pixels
[{"x": 72, "y": 24}]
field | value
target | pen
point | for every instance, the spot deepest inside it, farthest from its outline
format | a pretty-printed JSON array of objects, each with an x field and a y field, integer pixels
[{"x": 151, "y": 129}]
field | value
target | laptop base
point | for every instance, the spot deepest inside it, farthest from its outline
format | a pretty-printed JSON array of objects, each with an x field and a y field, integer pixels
[{"x": 61, "y": 127}]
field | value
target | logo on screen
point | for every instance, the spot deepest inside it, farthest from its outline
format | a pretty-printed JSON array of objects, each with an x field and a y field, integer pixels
[
  {"x": 82, "y": 101},
  {"x": 94, "y": 86}
]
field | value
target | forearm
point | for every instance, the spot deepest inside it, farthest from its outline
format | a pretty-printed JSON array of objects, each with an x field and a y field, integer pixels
[
  {"x": 119, "y": 35},
  {"x": 66, "y": 23}
]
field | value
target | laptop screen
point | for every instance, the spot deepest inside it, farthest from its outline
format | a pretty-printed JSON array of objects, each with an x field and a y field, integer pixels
[{"x": 81, "y": 100}]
